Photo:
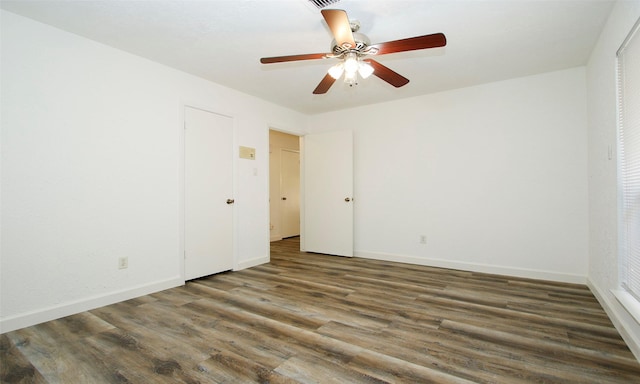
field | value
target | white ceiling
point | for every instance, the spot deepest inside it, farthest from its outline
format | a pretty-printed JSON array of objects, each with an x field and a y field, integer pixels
[{"x": 223, "y": 40}]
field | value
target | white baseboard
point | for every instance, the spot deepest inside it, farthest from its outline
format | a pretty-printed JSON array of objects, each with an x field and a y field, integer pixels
[
  {"x": 618, "y": 316},
  {"x": 36, "y": 317},
  {"x": 252, "y": 263},
  {"x": 472, "y": 267}
]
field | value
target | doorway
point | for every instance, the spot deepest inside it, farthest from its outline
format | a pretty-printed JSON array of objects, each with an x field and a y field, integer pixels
[{"x": 284, "y": 185}]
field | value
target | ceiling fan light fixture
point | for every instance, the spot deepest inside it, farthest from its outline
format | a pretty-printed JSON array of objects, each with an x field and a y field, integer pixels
[
  {"x": 336, "y": 70},
  {"x": 365, "y": 69},
  {"x": 351, "y": 63},
  {"x": 351, "y": 78}
]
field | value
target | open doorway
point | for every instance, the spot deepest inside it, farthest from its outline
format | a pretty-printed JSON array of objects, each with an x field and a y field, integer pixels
[{"x": 284, "y": 185}]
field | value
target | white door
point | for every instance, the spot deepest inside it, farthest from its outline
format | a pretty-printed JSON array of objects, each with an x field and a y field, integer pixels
[
  {"x": 208, "y": 193},
  {"x": 328, "y": 193},
  {"x": 290, "y": 192}
]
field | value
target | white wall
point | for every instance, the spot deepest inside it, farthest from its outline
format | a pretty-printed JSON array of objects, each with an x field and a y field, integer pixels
[
  {"x": 603, "y": 233},
  {"x": 91, "y": 158},
  {"x": 494, "y": 175}
]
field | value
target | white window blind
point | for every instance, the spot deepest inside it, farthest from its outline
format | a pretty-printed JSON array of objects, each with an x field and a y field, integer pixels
[{"x": 629, "y": 160}]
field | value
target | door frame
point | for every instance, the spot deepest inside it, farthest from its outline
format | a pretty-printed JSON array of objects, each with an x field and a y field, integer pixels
[
  {"x": 300, "y": 135},
  {"x": 181, "y": 181},
  {"x": 301, "y": 149}
]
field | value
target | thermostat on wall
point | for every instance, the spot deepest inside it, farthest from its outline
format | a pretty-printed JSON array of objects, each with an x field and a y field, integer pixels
[{"x": 247, "y": 153}]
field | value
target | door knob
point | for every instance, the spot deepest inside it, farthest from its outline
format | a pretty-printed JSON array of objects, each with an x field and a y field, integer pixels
[
  {"x": 230, "y": 201},
  {"x": 284, "y": 198},
  {"x": 347, "y": 199}
]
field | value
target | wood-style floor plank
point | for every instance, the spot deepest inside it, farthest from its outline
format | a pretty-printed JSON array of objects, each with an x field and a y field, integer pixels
[{"x": 311, "y": 318}]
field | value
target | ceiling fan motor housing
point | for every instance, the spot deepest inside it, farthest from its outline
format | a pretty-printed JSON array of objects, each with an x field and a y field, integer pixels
[{"x": 362, "y": 42}]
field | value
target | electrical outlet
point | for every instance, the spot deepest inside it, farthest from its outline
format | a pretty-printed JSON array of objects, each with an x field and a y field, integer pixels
[
  {"x": 123, "y": 263},
  {"x": 423, "y": 239}
]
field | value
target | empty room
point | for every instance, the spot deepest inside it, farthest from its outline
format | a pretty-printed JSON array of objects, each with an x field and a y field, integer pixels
[{"x": 316, "y": 191}]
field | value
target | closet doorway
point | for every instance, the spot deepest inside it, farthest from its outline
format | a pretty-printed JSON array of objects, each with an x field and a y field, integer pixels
[{"x": 284, "y": 185}]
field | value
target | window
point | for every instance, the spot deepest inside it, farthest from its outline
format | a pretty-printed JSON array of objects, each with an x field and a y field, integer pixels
[{"x": 628, "y": 58}]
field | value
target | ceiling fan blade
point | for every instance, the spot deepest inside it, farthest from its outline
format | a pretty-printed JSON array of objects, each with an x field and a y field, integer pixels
[
  {"x": 282, "y": 59},
  {"x": 411, "y": 44},
  {"x": 324, "y": 85},
  {"x": 388, "y": 75},
  {"x": 338, "y": 22}
]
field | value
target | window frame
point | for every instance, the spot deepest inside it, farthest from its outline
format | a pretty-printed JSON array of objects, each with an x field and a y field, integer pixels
[{"x": 629, "y": 300}]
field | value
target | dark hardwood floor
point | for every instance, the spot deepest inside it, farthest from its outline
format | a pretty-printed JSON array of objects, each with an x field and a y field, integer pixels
[{"x": 313, "y": 318}]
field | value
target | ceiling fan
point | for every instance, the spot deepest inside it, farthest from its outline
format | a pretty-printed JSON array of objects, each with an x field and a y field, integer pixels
[{"x": 354, "y": 48}]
